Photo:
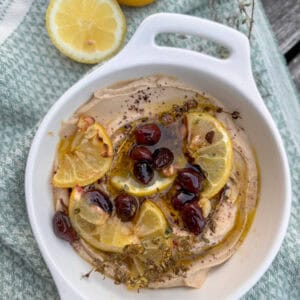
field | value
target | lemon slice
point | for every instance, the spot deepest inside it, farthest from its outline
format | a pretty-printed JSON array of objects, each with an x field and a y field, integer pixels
[
  {"x": 83, "y": 157},
  {"x": 131, "y": 186},
  {"x": 150, "y": 221},
  {"x": 108, "y": 233},
  {"x": 209, "y": 143},
  {"x": 135, "y": 3},
  {"x": 87, "y": 31},
  {"x": 150, "y": 227},
  {"x": 123, "y": 179},
  {"x": 97, "y": 228}
]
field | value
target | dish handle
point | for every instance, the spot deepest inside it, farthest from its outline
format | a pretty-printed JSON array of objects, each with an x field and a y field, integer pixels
[{"x": 237, "y": 66}]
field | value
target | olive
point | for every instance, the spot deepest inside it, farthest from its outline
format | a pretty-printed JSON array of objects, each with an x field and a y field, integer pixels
[
  {"x": 140, "y": 153},
  {"x": 162, "y": 158},
  {"x": 181, "y": 198},
  {"x": 99, "y": 198},
  {"x": 190, "y": 180},
  {"x": 143, "y": 172},
  {"x": 148, "y": 134},
  {"x": 126, "y": 207},
  {"x": 62, "y": 227},
  {"x": 192, "y": 218}
]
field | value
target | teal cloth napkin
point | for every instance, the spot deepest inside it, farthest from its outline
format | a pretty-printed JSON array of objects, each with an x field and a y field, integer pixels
[{"x": 33, "y": 74}]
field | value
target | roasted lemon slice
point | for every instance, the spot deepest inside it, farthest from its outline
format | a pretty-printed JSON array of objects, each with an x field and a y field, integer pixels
[
  {"x": 209, "y": 143},
  {"x": 128, "y": 183},
  {"x": 83, "y": 157},
  {"x": 150, "y": 221},
  {"x": 96, "y": 227},
  {"x": 123, "y": 178},
  {"x": 87, "y": 31}
]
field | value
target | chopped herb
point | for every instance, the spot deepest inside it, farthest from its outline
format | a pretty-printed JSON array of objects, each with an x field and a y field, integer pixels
[
  {"x": 207, "y": 241},
  {"x": 87, "y": 275},
  {"x": 235, "y": 115}
]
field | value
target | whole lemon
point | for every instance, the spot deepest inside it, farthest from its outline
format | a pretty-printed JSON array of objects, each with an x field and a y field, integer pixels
[{"x": 136, "y": 3}]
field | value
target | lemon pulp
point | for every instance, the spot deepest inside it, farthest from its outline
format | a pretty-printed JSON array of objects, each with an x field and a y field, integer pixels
[
  {"x": 83, "y": 157},
  {"x": 108, "y": 233},
  {"x": 99, "y": 229},
  {"x": 86, "y": 30},
  {"x": 214, "y": 155},
  {"x": 122, "y": 177}
]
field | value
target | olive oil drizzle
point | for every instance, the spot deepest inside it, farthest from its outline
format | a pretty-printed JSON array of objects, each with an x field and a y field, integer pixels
[{"x": 177, "y": 259}]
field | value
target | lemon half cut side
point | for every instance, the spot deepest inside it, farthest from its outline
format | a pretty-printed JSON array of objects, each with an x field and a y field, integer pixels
[{"x": 87, "y": 31}]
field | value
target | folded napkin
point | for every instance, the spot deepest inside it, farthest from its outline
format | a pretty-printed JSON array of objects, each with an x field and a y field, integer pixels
[{"x": 33, "y": 74}]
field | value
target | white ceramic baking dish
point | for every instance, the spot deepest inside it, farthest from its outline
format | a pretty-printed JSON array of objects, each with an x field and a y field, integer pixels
[{"x": 230, "y": 81}]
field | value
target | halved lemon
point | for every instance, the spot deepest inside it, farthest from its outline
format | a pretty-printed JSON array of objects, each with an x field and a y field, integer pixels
[
  {"x": 209, "y": 143},
  {"x": 83, "y": 157},
  {"x": 150, "y": 221},
  {"x": 96, "y": 227},
  {"x": 135, "y": 3},
  {"x": 87, "y": 31}
]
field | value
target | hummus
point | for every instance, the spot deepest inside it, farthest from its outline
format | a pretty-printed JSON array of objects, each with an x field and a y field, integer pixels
[{"x": 228, "y": 214}]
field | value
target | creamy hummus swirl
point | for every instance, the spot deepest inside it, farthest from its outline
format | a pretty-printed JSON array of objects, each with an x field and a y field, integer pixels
[{"x": 230, "y": 217}]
